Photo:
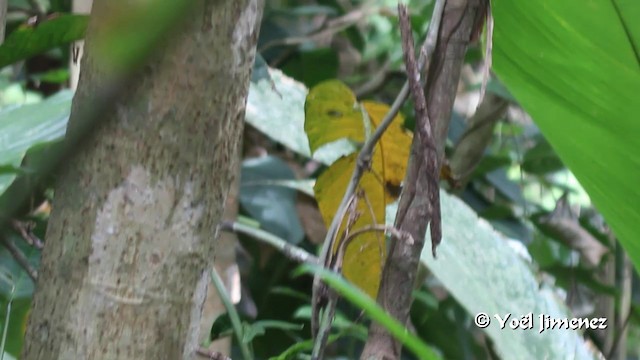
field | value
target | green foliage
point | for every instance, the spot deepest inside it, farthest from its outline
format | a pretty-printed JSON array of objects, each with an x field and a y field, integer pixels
[
  {"x": 26, "y": 126},
  {"x": 28, "y": 41},
  {"x": 16, "y": 290},
  {"x": 579, "y": 81},
  {"x": 375, "y": 312},
  {"x": 274, "y": 206},
  {"x": 485, "y": 274}
]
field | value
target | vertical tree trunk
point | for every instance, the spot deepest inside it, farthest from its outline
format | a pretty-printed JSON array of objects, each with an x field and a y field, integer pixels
[{"x": 131, "y": 236}]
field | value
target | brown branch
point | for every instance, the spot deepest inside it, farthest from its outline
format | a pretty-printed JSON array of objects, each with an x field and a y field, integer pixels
[
  {"x": 424, "y": 128},
  {"x": 458, "y": 22},
  {"x": 25, "y": 229}
]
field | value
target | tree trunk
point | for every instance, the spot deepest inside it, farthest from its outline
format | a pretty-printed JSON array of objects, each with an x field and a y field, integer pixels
[{"x": 131, "y": 238}]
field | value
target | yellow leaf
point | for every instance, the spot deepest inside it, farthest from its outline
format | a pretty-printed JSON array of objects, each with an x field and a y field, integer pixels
[
  {"x": 364, "y": 256},
  {"x": 395, "y": 143},
  {"x": 332, "y": 113}
]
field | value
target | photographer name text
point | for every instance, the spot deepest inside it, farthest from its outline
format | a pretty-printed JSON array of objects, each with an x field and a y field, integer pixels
[{"x": 540, "y": 322}]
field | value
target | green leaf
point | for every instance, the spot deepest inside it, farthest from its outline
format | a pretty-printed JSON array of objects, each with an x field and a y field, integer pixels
[
  {"x": 574, "y": 66},
  {"x": 490, "y": 163},
  {"x": 307, "y": 345},
  {"x": 221, "y": 327},
  {"x": 260, "y": 327},
  {"x": 303, "y": 186},
  {"x": 273, "y": 206},
  {"x": 541, "y": 159},
  {"x": 481, "y": 270},
  {"x": 374, "y": 311},
  {"x": 24, "y": 127},
  {"x": 57, "y": 76},
  {"x": 275, "y": 106},
  {"x": 278, "y": 111},
  {"x": 312, "y": 67},
  {"x": 26, "y": 42},
  {"x": 14, "y": 279},
  {"x": 340, "y": 321}
]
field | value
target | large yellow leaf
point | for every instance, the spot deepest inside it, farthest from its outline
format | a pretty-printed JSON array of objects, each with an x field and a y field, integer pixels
[
  {"x": 394, "y": 145},
  {"x": 364, "y": 255},
  {"x": 332, "y": 113}
]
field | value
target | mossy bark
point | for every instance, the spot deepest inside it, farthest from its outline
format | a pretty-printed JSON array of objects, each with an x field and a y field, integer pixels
[{"x": 134, "y": 224}]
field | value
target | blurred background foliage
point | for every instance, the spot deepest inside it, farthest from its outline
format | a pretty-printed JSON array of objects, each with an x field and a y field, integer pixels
[{"x": 555, "y": 239}]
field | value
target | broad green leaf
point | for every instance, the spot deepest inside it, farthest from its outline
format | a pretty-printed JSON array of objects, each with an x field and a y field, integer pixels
[
  {"x": 313, "y": 66},
  {"x": 272, "y": 205},
  {"x": 574, "y": 66},
  {"x": 22, "y": 127},
  {"x": 332, "y": 113},
  {"x": 478, "y": 267},
  {"x": 16, "y": 290},
  {"x": 28, "y": 41},
  {"x": 8, "y": 356}
]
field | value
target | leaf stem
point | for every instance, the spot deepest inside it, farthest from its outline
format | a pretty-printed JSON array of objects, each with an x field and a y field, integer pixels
[
  {"x": 291, "y": 251},
  {"x": 233, "y": 314}
]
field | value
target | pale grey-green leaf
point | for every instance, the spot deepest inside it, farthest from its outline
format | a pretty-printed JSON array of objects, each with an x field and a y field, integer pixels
[
  {"x": 479, "y": 268},
  {"x": 22, "y": 127},
  {"x": 276, "y": 108}
]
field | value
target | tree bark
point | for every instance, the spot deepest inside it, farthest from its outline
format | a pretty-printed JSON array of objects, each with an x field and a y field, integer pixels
[{"x": 131, "y": 238}]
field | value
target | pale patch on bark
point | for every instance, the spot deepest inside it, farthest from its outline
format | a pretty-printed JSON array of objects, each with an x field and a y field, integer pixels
[
  {"x": 242, "y": 34},
  {"x": 199, "y": 297},
  {"x": 123, "y": 267}
]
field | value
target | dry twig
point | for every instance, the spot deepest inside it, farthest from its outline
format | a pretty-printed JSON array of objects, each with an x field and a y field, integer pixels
[{"x": 424, "y": 129}]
